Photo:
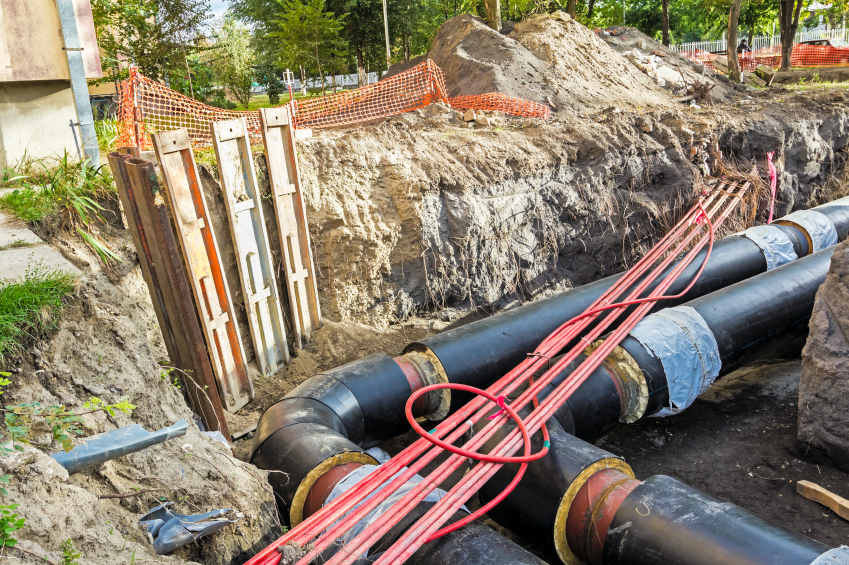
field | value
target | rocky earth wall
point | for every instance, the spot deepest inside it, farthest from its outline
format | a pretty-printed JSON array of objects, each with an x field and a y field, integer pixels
[{"x": 423, "y": 211}]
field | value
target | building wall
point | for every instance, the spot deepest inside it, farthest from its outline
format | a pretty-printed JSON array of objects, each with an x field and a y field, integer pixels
[{"x": 34, "y": 120}]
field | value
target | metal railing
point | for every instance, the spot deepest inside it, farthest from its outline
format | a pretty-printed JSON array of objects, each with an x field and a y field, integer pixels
[{"x": 759, "y": 42}]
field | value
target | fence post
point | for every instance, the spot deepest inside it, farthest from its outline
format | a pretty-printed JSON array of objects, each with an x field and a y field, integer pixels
[{"x": 136, "y": 110}]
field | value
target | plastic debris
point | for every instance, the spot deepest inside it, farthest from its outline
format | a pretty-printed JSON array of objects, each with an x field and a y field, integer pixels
[
  {"x": 111, "y": 445},
  {"x": 168, "y": 531}
]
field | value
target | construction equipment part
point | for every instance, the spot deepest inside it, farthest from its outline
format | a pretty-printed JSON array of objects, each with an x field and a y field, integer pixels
[
  {"x": 162, "y": 268},
  {"x": 250, "y": 240},
  {"x": 284, "y": 177},
  {"x": 202, "y": 258}
]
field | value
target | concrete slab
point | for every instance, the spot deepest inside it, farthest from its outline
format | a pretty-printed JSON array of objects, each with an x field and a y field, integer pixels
[
  {"x": 12, "y": 230},
  {"x": 14, "y": 262}
]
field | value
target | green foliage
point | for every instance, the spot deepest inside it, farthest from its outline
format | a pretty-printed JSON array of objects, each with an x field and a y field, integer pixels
[
  {"x": 234, "y": 58},
  {"x": 63, "y": 423},
  {"x": 107, "y": 135},
  {"x": 69, "y": 553},
  {"x": 67, "y": 187},
  {"x": 156, "y": 35},
  {"x": 30, "y": 308},
  {"x": 267, "y": 75},
  {"x": 9, "y": 524},
  {"x": 310, "y": 36}
]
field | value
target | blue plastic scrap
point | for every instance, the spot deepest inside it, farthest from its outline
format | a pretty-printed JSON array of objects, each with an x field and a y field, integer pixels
[
  {"x": 168, "y": 531},
  {"x": 111, "y": 445}
]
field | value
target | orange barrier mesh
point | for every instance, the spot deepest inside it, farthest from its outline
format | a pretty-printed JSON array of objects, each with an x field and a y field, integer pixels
[
  {"x": 148, "y": 106},
  {"x": 803, "y": 55}
]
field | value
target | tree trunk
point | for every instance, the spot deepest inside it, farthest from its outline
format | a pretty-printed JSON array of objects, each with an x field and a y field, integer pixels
[
  {"x": 590, "y": 9},
  {"x": 334, "y": 82},
  {"x": 572, "y": 8},
  {"x": 303, "y": 75},
  {"x": 406, "y": 43},
  {"x": 361, "y": 71},
  {"x": 493, "y": 14},
  {"x": 733, "y": 62},
  {"x": 788, "y": 20},
  {"x": 666, "y": 22}
]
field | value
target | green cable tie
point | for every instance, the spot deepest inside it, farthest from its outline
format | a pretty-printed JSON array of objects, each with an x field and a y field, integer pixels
[{"x": 546, "y": 443}]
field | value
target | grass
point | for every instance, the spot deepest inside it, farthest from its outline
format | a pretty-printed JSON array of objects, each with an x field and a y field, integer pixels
[
  {"x": 16, "y": 244},
  {"x": 62, "y": 189},
  {"x": 817, "y": 85},
  {"x": 107, "y": 135},
  {"x": 261, "y": 100},
  {"x": 31, "y": 307}
]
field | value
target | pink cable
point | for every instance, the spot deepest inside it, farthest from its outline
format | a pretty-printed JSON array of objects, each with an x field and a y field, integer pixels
[{"x": 773, "y": 183}]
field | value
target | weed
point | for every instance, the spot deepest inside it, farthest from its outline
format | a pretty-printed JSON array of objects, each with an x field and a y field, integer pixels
[
  {"x": 69, "y": 553},
  {"x": 68, "y": 188},
  {"x": 9, "y": 524},
  {"x": 31, "y": 307},
  {"x": 63, "y": 424},
  {"x": 18, "y": 243},
  {"x": 107, "y": 135}
]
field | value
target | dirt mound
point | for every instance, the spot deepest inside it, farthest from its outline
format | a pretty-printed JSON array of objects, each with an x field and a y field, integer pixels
[
  {"x": 626, "y": 39},
  {"x": 108, "y": 345},
  {"x": 547, "y": 58}
]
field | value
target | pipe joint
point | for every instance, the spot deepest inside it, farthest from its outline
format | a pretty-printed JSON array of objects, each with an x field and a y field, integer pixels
[{"x": 630, "y": 382}]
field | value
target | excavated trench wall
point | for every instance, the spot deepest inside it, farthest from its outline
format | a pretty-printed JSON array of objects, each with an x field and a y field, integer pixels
[{"x": 421, "y": 211}]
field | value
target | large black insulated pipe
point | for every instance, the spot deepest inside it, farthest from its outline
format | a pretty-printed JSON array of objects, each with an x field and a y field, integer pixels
[
  {"x": 584, "y": 505},
  {"x": 665, "y": 522},
  {"x": 748, "y": 320},
  {"x": 314, "y": 435},
  {"x": 478, "y": 353}
]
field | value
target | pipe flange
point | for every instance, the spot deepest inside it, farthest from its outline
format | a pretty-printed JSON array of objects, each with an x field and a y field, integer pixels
[
  {"x": 560, "y": 543},
  {"x": 625, "y": 368},
  {"x": 296, "y": 511},
  {"x": 439, "y": 401}
]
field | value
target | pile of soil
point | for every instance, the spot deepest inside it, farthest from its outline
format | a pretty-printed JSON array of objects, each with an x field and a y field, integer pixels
[{"x": 547, "y": 58}]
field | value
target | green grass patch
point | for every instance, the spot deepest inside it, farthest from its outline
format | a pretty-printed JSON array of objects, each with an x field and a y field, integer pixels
[
  {"x": 107, "y": 135},
  {"x": 31, "y": 307}
]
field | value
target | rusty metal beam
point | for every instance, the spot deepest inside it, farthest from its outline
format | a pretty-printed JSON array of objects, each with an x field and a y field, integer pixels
[
  {"x": 293, "y": 230},
  {"x": 203, "y": 263},
  {"x": 162, "y": 268},
  {"x": 250, "y": 240}
]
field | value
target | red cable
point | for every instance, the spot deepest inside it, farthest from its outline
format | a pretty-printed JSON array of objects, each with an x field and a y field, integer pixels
[{"x": 327, "y": 515}]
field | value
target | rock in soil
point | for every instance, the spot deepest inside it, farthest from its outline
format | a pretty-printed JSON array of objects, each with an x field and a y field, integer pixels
[{"x": 824, "y": 388}]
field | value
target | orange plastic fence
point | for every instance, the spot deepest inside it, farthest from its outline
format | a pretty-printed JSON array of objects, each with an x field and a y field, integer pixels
[
  {"x": 803, "y": 55},
  {"x": 148, "y": 106}
]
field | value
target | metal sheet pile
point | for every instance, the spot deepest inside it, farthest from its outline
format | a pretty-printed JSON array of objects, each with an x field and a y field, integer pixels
[{"x": 182, "y": 264}]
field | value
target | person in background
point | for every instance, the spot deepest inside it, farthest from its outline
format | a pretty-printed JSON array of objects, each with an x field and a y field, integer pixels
[{"x": 743, "y": 47}]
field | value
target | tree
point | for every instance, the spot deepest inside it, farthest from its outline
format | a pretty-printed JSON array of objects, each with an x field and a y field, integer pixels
[
  {"x": 158, "y": 36},
  {"x": 234, "y": 58},
  {"x": 665, "y": 9},
  {"x": 789, "y": 11},
  {"x": 733, "y": 62},
  {"x": 310, "y": 36},
  {"x": 268, "y": 75}
]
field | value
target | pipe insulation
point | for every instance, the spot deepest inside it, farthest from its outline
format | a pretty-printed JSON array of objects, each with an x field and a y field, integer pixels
[
  {"x": 478, "y": 353},
  {"x": 672, "y": 356}
]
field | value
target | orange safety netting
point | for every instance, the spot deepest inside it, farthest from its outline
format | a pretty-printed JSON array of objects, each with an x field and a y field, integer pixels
[
  {"x": 148, "y": 106},
  {"x": 803, "y": 55}
]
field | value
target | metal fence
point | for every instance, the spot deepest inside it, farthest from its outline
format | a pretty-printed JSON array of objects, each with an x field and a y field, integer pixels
[{"x": 759, "y": 42}]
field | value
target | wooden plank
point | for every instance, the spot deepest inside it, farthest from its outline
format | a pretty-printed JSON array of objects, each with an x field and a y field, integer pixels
[
  {"x": 250, "y": 240},
  {"x": 293, "y": 230},
  {"x": 813, "y": 491},
  {"x": 203, "y": 263},
  {"x": 193, "y": 358}
]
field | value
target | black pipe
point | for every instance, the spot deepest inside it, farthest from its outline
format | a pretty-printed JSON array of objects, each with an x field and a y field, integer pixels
[
  {"x": 478, "y": 353},
  {"x": 665, "y": 522},
  {"x": 539, "y": 505},
  {"x": 748, "y": 320}
]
